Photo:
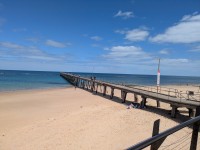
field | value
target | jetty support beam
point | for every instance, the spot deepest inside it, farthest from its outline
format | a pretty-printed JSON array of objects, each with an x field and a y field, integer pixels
[
  {"x": 123, "y": 96},
  {"x": 104, "y": 90},
  {"x": 135, "y": 98},
  {"x": 83, "y": 84},
  {"x": 157, "y": 144},
  {"x": 191, "y": 112},
  {"x": 173, "y": 111},
  {"x": 196, "y": 126},
  {"x": 96, "y": 88},
  {"x": 112, "y": 93},
  {"x": 92, "y": 86},
  {"x": 158, "y": 103},
  {"x": 87, "y": 85},
  {"x": 143, "y": 102}
]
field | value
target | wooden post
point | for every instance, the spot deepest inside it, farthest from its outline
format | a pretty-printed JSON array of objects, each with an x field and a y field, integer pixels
[
  {"x": 96, "y": 88},
  {"x": 87, "y": 85},
  {"x": 158, "y": 103},
  {"x": 173, "y": 111},
  {"x": 191, "y": 112},
  {"x": 104, "y": 90},
  {"x": 92, "y": 86},
  {"x": 123, "y": 96},
  {"x": 156, "y": 127},
  {"x": 143, "y": 103},
  {"x": 83, "y": 84},
  {"x": 78, "y": 82},
  {"x": 193, "y": 145},
  {"x": 112, "y": 93},
  {"x": 135, "y": 98}
]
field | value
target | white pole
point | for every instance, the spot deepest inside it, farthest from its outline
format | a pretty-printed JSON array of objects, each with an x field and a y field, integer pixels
[
  {"x": 158, "y": 80},
  {"x": 158, "y": 74}
]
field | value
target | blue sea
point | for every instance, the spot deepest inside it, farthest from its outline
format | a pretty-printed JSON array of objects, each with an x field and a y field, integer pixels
[{"x": 26, "y": 80}]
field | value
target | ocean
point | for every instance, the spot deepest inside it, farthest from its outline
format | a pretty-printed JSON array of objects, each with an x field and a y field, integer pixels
[{"x": 26, "y": 80}]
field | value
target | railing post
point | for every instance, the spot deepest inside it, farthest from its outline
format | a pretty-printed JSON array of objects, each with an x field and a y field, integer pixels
[
  {"x": 193, "y": 145},
  {"x": 123, "y": 96},
  {"x": 104, "y": 90},
  {"x": 143, "y": 102},
  {"x": 135, "y": 98},
  {"x": 96, "y": 88},
  {"x": 158, "y": 143},
  {"x": 173, "y": 111},
  {"x": 112, "y": 93},
  {"x": 158, "y": 103}
]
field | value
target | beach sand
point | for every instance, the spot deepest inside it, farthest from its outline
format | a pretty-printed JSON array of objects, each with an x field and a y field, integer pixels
[{"x": 70, "y": 118}]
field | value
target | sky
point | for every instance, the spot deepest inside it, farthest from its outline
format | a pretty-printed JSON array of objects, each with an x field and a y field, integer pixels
[{"x": 105, "y": 36}]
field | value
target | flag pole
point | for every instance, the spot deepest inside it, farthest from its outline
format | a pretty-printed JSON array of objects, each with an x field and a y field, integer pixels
[{"x": 158, "y": 80}]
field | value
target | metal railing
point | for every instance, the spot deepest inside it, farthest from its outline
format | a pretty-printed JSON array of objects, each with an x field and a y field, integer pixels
[
  {"x": 161, "y": 136},
  {"x": 172, "y": 92}
]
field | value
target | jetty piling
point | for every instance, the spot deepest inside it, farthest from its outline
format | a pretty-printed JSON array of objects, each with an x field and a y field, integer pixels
[{"x": 112, "y": 93}]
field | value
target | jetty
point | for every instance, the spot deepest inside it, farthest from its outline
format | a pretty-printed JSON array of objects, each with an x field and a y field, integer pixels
[{"x": 173, "y": 97}]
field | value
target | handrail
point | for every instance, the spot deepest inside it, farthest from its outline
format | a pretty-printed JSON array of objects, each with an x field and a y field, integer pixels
[{"x": 163, "y": 134}]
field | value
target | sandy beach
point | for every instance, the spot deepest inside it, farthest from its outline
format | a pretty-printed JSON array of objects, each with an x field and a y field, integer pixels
[{"x": 70, "y": 118}]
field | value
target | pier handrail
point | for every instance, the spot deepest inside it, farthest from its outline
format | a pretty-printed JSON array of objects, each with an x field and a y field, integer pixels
[
  {"x": 156, "y": 90},
  {"x": 169, "y": 92},
  {"x": 164, "y": 134}
]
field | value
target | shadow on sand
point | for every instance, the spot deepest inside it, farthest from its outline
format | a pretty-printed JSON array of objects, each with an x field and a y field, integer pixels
[{"x": 181, "y": 116}]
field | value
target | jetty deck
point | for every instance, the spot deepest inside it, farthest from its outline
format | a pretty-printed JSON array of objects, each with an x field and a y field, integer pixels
[{"x": 176, "y": 99}]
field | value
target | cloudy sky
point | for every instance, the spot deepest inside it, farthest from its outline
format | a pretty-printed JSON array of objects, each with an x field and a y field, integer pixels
[{"x": 107, "y": 36}]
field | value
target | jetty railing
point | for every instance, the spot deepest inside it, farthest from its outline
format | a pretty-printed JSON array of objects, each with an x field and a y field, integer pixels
[
  {"x": 156, "y": 141},
  {"x": 160, "y": 90},
  {"x": 172, "y": 92}
]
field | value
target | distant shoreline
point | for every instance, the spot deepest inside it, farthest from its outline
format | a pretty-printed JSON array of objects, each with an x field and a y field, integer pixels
[{"x": 35, "y": 89}]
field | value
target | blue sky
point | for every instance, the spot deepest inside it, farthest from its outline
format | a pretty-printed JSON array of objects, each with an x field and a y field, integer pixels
[{"x": 115, "y": 36}]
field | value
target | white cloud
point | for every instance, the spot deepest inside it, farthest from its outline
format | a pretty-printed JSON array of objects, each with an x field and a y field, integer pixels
[
  {"x": 126, "y": 54},
  {"x": 124, "y": 15},
  {"x": 187, "y": 30},
  {"x": 133, "y": 35},
  {"x": 56, "y": 44},
  {"x": 164, "y": 52},
  {"x": 174, "y": 61},
  {"x": 136, "y": 35},
  {"x": 12, "y": 50},
  {"x": 96, "y": 38}
]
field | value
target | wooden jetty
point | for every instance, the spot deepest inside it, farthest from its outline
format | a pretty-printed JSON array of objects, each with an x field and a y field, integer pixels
[{"x": 175, "y": 100}]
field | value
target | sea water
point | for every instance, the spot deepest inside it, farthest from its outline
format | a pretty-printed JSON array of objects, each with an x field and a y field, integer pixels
[{"x": 22, "y": 80}]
